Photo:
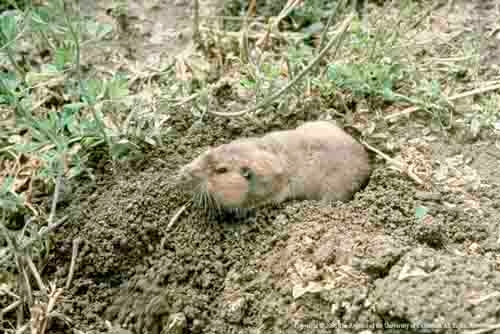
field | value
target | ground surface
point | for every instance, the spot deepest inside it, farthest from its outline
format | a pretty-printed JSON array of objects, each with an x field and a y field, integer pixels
[{"x": 295, "y": 268}]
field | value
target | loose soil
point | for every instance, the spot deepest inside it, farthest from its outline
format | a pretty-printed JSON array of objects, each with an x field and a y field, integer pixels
[
  {"x": 290, "y": 268},
  {"x": 299, "y": 267}
]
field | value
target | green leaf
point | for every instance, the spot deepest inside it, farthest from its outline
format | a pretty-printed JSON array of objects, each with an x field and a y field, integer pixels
[
  {"x": 119, "y": 150},
  {"x": 98, "y": 30},
  {"x": 435, "y": 88},
  {"x": 94, "y": 88},
  {"x": 420, "y": 212},
  {"x": 63, "y": 56},
  {"x": 8, "y": 86},
  {"x": 388, "y": 94},
  {"x": 8, "y": 82},
  {"x": 247, "y": 83},
  {"x": 74, "y": 108},
  {"x": 40, "y": 19},
  {"x": 49, "y": 69},
  {"x": 9, "y": 200},
  {"x": 5, "y": 99},
  {"x": 117, "y": 88},
  {"x": 8, "y": 29},
  {"x": 365, "y": 79},
  {"x": 6, "y": 184}
]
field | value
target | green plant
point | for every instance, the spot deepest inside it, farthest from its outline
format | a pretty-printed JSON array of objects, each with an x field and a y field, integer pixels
[
  {"x": 60, "y": 132},
  {"x": 366, "y": 80},
  {"x": 485, "y": 115},
  {"x": 10, "y": 201},
  {"x": 8, "y": 33}
]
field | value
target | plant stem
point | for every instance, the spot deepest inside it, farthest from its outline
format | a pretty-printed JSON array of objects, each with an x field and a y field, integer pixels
[
  {"x": 313, "y": 63},
  {"x": 81, "y": 87}
]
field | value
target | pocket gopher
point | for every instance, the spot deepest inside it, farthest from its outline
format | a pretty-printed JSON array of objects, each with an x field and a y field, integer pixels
[{"x": 315, "y": 161}]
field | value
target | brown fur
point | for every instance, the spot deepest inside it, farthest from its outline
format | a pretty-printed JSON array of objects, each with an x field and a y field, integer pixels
[{"x": 317, "y": 161}]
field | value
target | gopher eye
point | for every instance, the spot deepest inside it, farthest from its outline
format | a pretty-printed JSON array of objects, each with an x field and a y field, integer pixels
[
  {"x": 246, "y": 172},
  {"x": 221, "y": 170}
]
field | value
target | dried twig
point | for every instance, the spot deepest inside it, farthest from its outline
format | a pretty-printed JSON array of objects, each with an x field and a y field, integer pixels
[
  {"x": 400, "y": 165},
  {"x": 264, "y": 39},
  {"x": 22, "y": 329},
  {"x": 176, "y": 216},
  {"x": 244, "y": 32},
  {"x": 328, "y": 24},
  {"x": 10, "y": 293},
  {"x": 476, "y": 91},
  {"x": 55, "y": 198},
  {"x": 186, "y": 100},
  {"x": 74, "y": 254},
  {"x": 54, "y": 297},
  {"x": 22, "y": 262},
  {"x": 288, "y": 36},
  {"x": 35, "y": 273},
  {"x": 338, "y": 39},
  {"x": 26, "y": 279},
  {"x": 10, "y": 307},
  {"x": 173, "y": 220},
  {"x": 40, "y": 312}
]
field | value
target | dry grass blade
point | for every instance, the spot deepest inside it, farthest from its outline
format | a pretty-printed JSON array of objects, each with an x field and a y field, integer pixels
[
  {"x": 342, "y": 30},
  {"x": 40, "y": 312},
  {"x": 74, "y": 255},
  {"x": 176, "y": 216},
  {"x": 35, "y": 274},
  {"x": 188, "y": 99},
  {"x": 26, "y": 279},
  {"x": 263, "y": 42},
  {"x": 10, "y": 293},
  {"x": 400, "y": 165},
  {"x": 172, "y": 221},
  {"x": 480, "y": 90},
  {"x": 328, "y": 24},
  {"x": 10, "y": 307},
  {"x": 244, "y": 48},
  {"x": 57, "y": 190},
  {"x": 38, "y": 318}
]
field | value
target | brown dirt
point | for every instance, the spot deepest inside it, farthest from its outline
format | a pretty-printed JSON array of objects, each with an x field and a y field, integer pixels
[
  {"x": 297, "y": 266},
  {"x": 300, "y": 267}
]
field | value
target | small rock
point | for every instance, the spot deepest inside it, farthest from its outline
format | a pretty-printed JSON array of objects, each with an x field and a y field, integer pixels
[{"x": 236, "y": 310}]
